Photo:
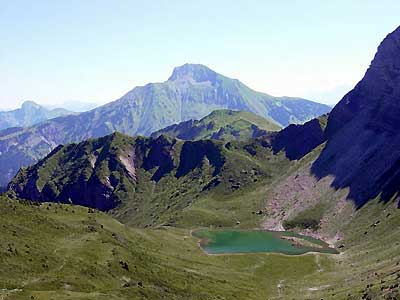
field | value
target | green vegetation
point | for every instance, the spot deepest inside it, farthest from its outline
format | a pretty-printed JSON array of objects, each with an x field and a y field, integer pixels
[
  {"x": 169, "y": 187},
  {"x": 323, "y": 120},
  {"x": 222, "y": 125},
  {"x": 66, "y": 252},
  {"x": 58, "y": 251},
  {"x": 308, "y": 218}
]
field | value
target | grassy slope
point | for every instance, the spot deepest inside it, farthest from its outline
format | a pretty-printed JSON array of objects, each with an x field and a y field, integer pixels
[
  {"x": 222, "y": 205},
  {"x": 224, "y": 117},
  {"x": 65, "y": 252},
  {"x": 68, "y": 252},
  {"x": 221, "y": 124}
]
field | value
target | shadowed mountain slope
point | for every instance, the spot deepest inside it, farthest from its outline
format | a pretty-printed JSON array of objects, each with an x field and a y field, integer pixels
[
  {"x": 299, "y": 140},
  {"x": 363, "y": 131}
]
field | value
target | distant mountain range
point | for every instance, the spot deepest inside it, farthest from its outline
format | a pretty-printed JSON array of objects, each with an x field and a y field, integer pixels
[
  {"x": 29, "y": 114},
  {"x": 192, "y": 92},
  {"x": 76, "y": 106}
]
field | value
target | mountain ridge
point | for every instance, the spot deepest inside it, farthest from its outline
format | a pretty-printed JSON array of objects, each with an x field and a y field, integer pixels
[
  {"x": 146, "y": 109},
  {"x": 134, "y": 177},
  {"x": 222, "y": 125}
]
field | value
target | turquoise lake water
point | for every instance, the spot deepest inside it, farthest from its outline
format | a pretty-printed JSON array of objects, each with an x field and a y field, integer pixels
[{"x": 256, "y": 241}]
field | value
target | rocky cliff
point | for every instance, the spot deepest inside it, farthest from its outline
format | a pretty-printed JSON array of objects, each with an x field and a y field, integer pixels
[{"x": 363, "y": 131}]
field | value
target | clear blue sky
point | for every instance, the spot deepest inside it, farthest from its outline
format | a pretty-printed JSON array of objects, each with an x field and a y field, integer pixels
[{"x": 57, "y": 51}]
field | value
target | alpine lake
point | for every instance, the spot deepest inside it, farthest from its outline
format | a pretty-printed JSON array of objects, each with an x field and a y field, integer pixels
[{"x": 231, "y": 241}]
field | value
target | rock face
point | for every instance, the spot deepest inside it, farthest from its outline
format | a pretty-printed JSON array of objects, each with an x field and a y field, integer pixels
[
  {"x": 29, "y": 114},
  {"x": 192, "y": 92},
  {"x": 363, "y": 131}
]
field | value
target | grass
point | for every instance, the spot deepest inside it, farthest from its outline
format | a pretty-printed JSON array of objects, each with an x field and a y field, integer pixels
[
  {"x": 55, "y": 251},
  {"x": 369, "y": 264},
  {"x": 308, "y": 218},
  {"x": 58, "y": 251},
  {"x": 221, "y": 124}
]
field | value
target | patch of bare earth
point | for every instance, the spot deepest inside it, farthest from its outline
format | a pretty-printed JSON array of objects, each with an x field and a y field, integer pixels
[
  {"x": 302, "y": 190},
  {"x": 127, "y": 159}
]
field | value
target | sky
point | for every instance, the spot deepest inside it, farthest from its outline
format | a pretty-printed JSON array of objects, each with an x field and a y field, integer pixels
[{"x": 54, "y": 52}]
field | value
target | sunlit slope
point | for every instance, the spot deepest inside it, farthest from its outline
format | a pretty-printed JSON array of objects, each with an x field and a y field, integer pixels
[{"x": 221, "y": 125}]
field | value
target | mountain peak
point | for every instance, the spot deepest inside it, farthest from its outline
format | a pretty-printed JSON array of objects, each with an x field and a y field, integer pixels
[
  {"x": 377, "y": 92},
  {"x": 29, "y": 105},
  {"x": 196, "y": 72}
]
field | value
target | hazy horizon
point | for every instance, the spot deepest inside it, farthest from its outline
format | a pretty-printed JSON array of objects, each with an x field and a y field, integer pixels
[{"x": 97, "y": 51}]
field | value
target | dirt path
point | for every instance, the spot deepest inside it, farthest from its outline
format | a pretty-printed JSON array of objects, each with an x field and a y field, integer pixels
[
  {"x": 280, "y": 286},
  {"x": 317, "y": 261},
  {"x": 5, "y": 293}
]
